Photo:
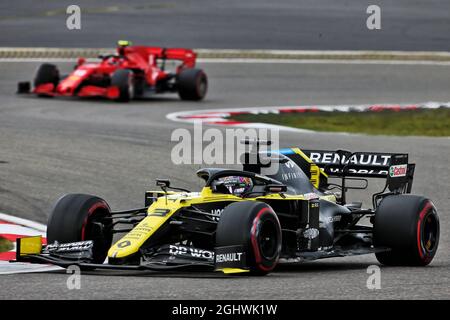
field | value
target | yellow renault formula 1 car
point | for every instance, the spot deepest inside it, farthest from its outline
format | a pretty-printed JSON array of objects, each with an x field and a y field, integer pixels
[{"x": 246, "y": 221}]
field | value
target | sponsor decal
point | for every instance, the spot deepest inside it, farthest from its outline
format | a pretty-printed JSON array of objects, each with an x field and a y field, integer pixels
[
  {"x": 361, "y": 171},
  {"x": 314, "y": 204},
  {"x": 69, "y": 247},
  {"x": 229, "y": 257},
  {"x": 310, "y": 233},
  {"x": 359, "y": 159},
  {"x": 160, "y": 212},
  {"x": 216, "y": 213},
  {"x": 290, "y": 176},
  {"x": 333, "y": 219},
  {"x": 190, "y": 251},
  {"x": 80, "y": 73},
  {"x": 328, "y": 220},
  {"x": 124, "y": 244},
  {"x": 139, "y": 232},
  {"x": 73, "y": 78},
  {"x": 290, "y": 164},
  {"x": 311, "y": 196},
  {"x": 398, "y": 171}
]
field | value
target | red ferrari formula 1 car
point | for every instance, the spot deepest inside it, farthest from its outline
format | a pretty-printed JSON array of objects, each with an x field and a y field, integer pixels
[{"x": 135, "y": 71}]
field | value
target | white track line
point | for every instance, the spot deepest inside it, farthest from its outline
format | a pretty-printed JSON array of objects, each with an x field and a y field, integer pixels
[
  {"x": 262, "y": 61},
  {"x": 325, "y": 61},
  {"x": 203, "y": 51},
  {"x": 22, "y": 267},
  {"x": 24, "y": 222},
  {"x": 20, "y": 230}
]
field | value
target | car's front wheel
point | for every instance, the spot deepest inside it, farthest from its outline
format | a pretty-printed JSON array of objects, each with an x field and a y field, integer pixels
[
  {"x": 123, "y": 80},
  {"x": 46, "y": 73},
  {"x": 255, "y": 227},
  {"x": 80, "y": 217}
]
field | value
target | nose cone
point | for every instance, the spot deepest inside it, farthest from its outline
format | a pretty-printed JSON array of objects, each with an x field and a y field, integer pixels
[{"x": 133, "y": 241}]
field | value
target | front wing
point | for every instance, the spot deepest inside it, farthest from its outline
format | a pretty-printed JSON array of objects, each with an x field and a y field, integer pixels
[
  {"x": 165, "y": 258},
  {"x": 48, "y": 89}
]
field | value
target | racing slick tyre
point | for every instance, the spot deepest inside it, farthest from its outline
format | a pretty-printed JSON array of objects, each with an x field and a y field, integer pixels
[
  {"x": 409, "y": 225},
  {"x": 254, "y": 226},
  {"x": 123, "y": 79},
  {"x": 46, "y": 73},
  {"x": 192, "y": 84},
  {"x": 80, "y": 217}
]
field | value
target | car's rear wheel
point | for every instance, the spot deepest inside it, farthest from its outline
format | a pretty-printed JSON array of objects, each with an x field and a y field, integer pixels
[
  {"x": 80, "y": 217},
  {"x": 254, "y": 226},
  {"x": 46, "y": 73},
  {"x": 123, "y": 80},
  {"x": 409, "y": 225},
  {"x": 192, "y": 84}
]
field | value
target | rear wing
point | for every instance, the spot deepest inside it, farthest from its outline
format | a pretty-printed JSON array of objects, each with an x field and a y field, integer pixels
[
  {"x": 358, "y": 164},
  {"x": 393, "y": 167}
]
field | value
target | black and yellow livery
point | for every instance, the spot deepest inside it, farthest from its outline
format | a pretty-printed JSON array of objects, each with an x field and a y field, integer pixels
[{"x": 248, "y": 221}]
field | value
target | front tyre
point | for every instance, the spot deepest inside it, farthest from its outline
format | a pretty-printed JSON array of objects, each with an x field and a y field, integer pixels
[
  {"x": 192, "y": 84},
  {"x": 409, "y": 225},
  {"x": 46, "y": 73},
  {"x": 254, "y": 226},
  {"x": 123, "y": 80},
  {"x": 80, "y": 217}
]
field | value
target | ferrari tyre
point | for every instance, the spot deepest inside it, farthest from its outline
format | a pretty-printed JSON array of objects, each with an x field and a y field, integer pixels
[
  {"x": 46, "y": 73},
  {"x": 409, "y": 225},
  {"x": 254, "y": 226},
  {"x": 123, "y": 80},
  {"x": 192, "y": 84},
  {"x": 80, "y": 217}
]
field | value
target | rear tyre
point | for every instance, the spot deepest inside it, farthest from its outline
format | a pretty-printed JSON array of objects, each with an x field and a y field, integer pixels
[
  {"x": 254, "y": 226},
  {"x": 409, "y": 225},
  {"x": 192, "y": 84},
  {"x": 46, "y": 73},
  {"x": 80, "y": 217},
  {"x": 123, "y": 80}
]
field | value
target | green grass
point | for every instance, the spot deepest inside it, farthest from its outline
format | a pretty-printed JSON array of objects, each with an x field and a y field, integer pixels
[
  {"x": 421, "y": 122},
  {"x": 5, "y": 245}
]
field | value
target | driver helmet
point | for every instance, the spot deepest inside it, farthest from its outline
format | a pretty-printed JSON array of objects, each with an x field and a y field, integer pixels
[{"x": 236, "y": 185}]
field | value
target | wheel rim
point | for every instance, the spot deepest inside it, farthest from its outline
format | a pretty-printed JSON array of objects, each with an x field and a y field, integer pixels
[
  {"x": 130, "y": 87},
  {"x": 268, "y": 240},
  {"x": 429, "y": 232},
  {"x": 201, "y": 87},
  {"x": 101, "y": 242}
]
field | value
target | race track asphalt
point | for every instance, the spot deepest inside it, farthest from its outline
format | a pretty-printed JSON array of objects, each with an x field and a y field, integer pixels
[
  {"x": 234, "y": 24},
  {"x": 54, "y": 146}
]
